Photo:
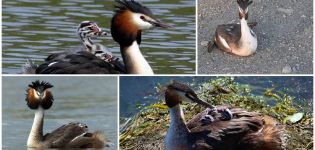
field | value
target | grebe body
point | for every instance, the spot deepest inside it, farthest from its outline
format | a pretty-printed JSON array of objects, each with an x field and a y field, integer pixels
[
  {"x": 244, "y": 130},
  {"x": 238, "y": 39}
]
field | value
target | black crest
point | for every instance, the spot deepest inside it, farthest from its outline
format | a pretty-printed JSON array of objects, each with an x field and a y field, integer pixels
[
  {"x": 40, "y": 85},
  {"x": 244, "y": 3},
  {"x": 136, "y": 7},
  {"x": 181, "y": 87}
]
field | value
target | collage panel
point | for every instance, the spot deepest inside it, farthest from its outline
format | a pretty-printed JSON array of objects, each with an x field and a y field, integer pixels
[
  {"x": 166, "y": 75},
  {"x": 225, "y": 112},
  {"x": 59, "y": 112},
  {"x": 98, "y": 37},
  {"x": 255, "y": 37}
]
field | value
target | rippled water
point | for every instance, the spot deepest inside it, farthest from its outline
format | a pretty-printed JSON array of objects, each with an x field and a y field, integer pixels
[
  {"x": 36, "y": 28},
  {"x": 140, "y": 91},
  {"x": 90, "y": 100}
]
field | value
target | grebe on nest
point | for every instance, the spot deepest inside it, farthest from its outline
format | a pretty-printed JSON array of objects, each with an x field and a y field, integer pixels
[
  {"x": 127, "y": 24},
  {"x": 243, "y": 131},
  {"x": 72, "y": 135}
]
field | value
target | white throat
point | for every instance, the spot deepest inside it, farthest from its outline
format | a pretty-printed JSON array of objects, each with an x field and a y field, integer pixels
[
  {"x": 134, "y": 61},
  {"x": 36, "y": 134},
  {"x": 248, "y": 39},
  {"x": 177, "y": 134}
]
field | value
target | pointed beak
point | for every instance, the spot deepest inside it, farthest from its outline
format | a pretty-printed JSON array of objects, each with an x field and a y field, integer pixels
[
  {"x": 158, "y": 23},
  {"x": 199, "y": 101},
  {"x": 98, "y": 31}
]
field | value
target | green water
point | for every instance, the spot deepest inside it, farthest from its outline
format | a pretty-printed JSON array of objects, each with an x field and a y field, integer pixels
[
  {"x": 36, "y": 28},
  {"x": 90, "y": 100}
]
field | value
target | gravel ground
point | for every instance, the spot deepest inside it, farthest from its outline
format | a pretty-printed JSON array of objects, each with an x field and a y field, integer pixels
[{"x": 284, "y": 31}]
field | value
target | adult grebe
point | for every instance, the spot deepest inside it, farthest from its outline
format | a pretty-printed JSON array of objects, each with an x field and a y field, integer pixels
[
  {"x": 244, "y": 131},
  {"x": 72, "y": 135},
  {"x": 129, "y": 20},
  {"x": 238, "y": 39}
]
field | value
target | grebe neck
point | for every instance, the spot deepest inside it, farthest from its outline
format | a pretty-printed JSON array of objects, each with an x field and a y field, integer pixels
[
  {"x": 87, "y": 42},
  {"x": 134, "y": 60},
  {"x": 177, "y": 134},
  {"x": 36, "y": 135}
]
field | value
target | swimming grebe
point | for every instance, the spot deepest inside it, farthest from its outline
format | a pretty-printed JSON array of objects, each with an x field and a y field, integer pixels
[
  {"x": 129, "y": 20},
  {"x": 238, "y": 39},
  {"x": 72, "y": 135},
  {"x": 244, "y": 131}
]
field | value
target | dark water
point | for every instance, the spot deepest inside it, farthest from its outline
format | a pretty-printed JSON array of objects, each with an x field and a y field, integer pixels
[
  {"x": 36, "y": 28},
  {"x": 90, "y": 100},
  {"x": 140, "y": 91}
]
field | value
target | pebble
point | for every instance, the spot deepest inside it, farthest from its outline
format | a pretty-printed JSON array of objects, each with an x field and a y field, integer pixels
[
  {"x": 287, "y": 69},
  {"x": 204, "y": 43},
  {"x": 284, "y": 10}
]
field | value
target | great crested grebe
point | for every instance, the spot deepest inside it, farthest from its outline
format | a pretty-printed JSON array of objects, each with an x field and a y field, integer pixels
[
  {"x": 126, "y": 27},
  {"x": 72, "y": 135},
  {"x": 244, "y": 131},
  {"x": 238, "y": 39},
  {"x": 78, "y": 59},
  {"x": 129, "y": 20}
]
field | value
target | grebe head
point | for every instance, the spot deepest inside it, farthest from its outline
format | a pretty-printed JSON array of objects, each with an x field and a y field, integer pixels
[
  {"x": 89, "y": 29},
  {"x": 38, "y": 95},
  {"x": 130, "y": 19},
  {"x": 243, "y": 8},
  {"x": 177, "y": 92}
]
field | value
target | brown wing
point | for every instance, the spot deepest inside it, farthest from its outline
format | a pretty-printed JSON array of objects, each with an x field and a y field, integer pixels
[
  {"x": 247, "y": 130},
  {"x": 231, "y": 33},
  {"x": 237, "y": 113},
  {"x": 64, "y": 134},
  {"x": 223, "y": 134}
]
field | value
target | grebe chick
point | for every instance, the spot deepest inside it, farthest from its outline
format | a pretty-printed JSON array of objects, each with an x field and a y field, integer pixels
[
  {"x": 245, "y": 130},
  {"x": 238, "y": 39},
  {"x": 93, "y": 58},
  {"x": 72, "y": 135}
]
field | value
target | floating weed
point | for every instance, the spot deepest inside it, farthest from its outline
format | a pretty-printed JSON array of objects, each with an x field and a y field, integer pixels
[{"x": 148, "y": 128}]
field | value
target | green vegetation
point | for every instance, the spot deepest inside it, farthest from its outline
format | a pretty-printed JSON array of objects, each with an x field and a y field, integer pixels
[{"x": 148, "y": 128}]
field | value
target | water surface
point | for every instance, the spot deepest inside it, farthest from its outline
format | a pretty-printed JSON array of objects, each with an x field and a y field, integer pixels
[
  {"x": 141, "y": 91},
  {"x": 35, "y": 29},
  {"x": 90, "y": 100}
]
